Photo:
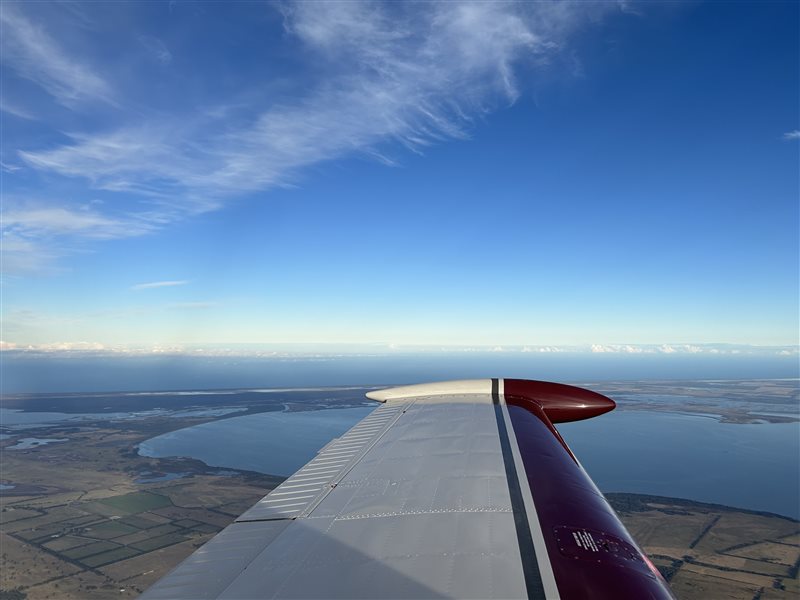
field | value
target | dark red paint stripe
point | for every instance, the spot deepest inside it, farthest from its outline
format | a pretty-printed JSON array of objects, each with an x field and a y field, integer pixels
[
  {"x": 561, "y": 403},
  {"x": 591, "y": 553}
]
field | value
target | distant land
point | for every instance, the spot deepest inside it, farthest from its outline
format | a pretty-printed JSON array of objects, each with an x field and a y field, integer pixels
[{"x": 84, "y": 515}]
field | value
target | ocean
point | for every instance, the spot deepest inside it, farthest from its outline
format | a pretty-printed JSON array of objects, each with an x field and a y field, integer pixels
[{"x": 34, "y": 373}]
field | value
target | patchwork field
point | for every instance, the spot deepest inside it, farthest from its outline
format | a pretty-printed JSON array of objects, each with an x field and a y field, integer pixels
[
  {"x": 89, "y": 530},
  {"x": 77, "y": 551},
  {"x": 712, "y": 551}
]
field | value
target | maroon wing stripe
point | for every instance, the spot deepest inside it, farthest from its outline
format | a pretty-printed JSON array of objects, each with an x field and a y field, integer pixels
[
  {"x": 561, "y": 403},
  {"x": 591, "y": 553}
]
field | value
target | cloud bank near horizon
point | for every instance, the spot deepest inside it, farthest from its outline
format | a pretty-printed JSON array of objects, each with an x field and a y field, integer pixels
[{"x": 333, "y": 350}]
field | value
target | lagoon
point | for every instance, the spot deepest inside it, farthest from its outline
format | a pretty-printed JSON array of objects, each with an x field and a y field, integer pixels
[
  {"x": 276, "y": 443},
  {"x": 753, "y": 466}
]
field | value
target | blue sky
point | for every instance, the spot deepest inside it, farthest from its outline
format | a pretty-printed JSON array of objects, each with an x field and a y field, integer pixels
[{"x": 614, "y": 176}]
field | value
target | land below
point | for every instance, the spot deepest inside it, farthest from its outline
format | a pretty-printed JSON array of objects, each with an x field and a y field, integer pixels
[
  {"x": 730, "y": 401},
  {"x": 83, "y": 515}
]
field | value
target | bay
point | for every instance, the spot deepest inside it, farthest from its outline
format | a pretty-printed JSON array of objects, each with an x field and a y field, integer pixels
[
  {"x": 752, "y": 466},
  {"x": 276, "y": 443}
]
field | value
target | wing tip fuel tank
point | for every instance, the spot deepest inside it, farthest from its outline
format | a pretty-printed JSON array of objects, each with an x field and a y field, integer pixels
[{"x": 560, "y": 402}]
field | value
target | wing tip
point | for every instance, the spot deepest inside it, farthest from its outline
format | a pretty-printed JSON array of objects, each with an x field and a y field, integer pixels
[
  {"x": 561, "y": 403},
  {"x": 379, "y": 395}
]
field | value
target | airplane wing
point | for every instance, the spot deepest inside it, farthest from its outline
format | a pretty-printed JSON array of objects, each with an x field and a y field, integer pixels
[{"x": 460, "y": 489}]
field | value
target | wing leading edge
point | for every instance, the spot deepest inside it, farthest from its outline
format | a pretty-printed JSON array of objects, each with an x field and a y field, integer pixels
[{"x": 449, "y": 490}]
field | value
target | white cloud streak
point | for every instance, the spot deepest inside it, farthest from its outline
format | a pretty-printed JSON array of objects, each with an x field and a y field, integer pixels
[
  {"x": 389, "y": 75},
  {"x": 158, "y": 284},
  {"x": 34, "y": 236},
  {"x": 396, "y": 73},
  {"x": 792, "y": 135},
  {"x": 156, "y": 49},
  {"x": 335, "y": 350},
  {"x": 34, "y": 55},
  {"x": 13, "y": 109},
  {"x": 20, "y": 255},
  {"x": 56, "y": 220}
]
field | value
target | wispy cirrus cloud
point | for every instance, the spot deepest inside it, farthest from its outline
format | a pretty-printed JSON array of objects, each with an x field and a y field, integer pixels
[
  {"x": 34, "y": 235},
  {"x": 792, "y": 135},
  {"x": 20, "y": 255},
  {"x": 152, "y": 160},
  {"x": 155, "y": 48},
  {"x": 14, "y": 109},
  {"x": 158, "y": 284},
  {"x": 385, "y": 78},
  {"x": 390, "y": 73},
  {"x": 34, "y": 54},
  {"x": 9, "y": 168},
  {"x": 41, "y": 221}
]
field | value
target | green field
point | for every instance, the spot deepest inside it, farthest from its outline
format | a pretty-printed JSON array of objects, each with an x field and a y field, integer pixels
[
  {"x": 89, "y": 549},
  {"x": 138, "y": 522},
  {"x": 109, "y": 557},
  {"x": 108, "y": 530},
  {"x": 186, "y": 523},
  {"x": 162, "y": 530},
  {"x": 65, "y": 543},
  {"x": 159, "y": 542},
  {"x": 205, "y": 528},
  {"x": 43, "y": 532},
  {"x": 137, "y": 502}
]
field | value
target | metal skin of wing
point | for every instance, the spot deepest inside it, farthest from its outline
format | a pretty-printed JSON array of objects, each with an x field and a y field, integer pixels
[{"x": 457, "y": 489}]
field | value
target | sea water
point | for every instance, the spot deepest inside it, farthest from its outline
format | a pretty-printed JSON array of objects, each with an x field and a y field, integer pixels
[
  {"x": 752, "y": 466},
  {"x": 276, "y": 443}
]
